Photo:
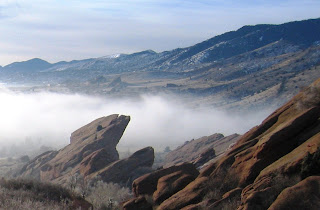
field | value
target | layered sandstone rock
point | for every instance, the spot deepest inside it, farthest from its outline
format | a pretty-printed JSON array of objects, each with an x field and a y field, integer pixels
[
  {"x": 193, "y": 193},
  {"x": 204, "y": 157},
  {"x": 140, "y": 203},
  {"x": 122, "y": 171},
  {"x": 171, "y": 184},
  {"x": 201, "y": 150},
  {"x": 147, "y": 184},
  {"x": 304, "y": 195},
  {"x": 92, "y": 151},
  {"x": 267, "y": 160},
  {"x": 32, "y": 168}
]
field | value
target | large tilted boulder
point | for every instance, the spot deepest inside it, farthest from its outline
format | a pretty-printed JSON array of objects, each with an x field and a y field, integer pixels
[{"x": 92, "y": 148}]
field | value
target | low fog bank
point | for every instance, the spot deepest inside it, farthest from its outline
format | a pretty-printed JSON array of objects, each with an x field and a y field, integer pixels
[{"x": 31, "y": 120}]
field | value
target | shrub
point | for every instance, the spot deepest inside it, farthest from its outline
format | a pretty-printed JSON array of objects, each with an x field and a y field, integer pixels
[
  {"x": 24, "y": 158},
  {"x": 100, "y": 194},
  {"x": 310, "y": 165},
  {"x": 167, "y": 149},
  {"x": 107, "y": 195},
  {"x": 99, "y": 127}
]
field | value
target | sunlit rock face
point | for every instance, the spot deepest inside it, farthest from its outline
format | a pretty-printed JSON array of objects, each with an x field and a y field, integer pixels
[
  {"x": 92, "y": 147},
  {"x": 270, "y": 166}
]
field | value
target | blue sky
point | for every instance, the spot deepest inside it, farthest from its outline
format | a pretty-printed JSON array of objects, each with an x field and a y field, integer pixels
[{"x": 57, "y": 30}]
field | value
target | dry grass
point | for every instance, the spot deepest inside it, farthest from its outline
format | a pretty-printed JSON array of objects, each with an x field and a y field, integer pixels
[
  {"x": 28, "y": 194},
  {"x": 31, "y": 194},
  {"x": 20, "y": 199}
]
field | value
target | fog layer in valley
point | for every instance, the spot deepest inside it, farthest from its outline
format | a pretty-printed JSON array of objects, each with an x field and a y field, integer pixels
[{"x": 32, "y": 120}]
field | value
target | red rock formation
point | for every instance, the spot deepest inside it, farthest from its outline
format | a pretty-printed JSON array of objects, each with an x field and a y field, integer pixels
[
  {"x": 33, "y": 167},
  {"x": 147, "y": 184},
  {"x": 191, "y": 194},
  {"x": 304, "y": 195},
  {"x": 204, "y": 157},
  {"x": 265, "y": 161},
  {"x": 171, "y": 184},
  {"x": 122, "y": 170},
  {"x": 91, "y": 148},
  {"x": 192, "y": 150},
  {"x": 139, "y": 203}
]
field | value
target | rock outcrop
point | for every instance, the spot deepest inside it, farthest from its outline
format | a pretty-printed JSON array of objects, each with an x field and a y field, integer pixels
[
  {"x": 33, "y": 167},
  {"x": 140, "y": 203},
  {"x": 266, "y": 168},
  {"x": 304, "y": 195},
  {"x": 92, "y": 147},
  {"x": 147, "y": 184},
  {"x": 201, "y": 150},
  {"x": 92, "y": 151},
  {"x": 171, "y": 184},
  {"x": 123, "y": 171},
  {"x": 193, "y": 193},
  {"x": 204, "y": 157}
]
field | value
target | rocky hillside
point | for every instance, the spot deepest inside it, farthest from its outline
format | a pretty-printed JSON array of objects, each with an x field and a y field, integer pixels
[
  {"x": 91, "y": 152},
  {"x": 274, "y": 165}
]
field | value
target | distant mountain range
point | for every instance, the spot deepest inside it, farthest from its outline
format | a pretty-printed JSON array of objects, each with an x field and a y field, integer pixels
[
  {"x": 254, "y": 63},
  {"x": 248, "y": 38}
]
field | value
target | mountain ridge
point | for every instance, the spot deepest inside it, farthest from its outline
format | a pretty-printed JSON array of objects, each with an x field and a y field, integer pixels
[
  {"x": 34, "y": 64},
  {"x": 302, "y": 33}
]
